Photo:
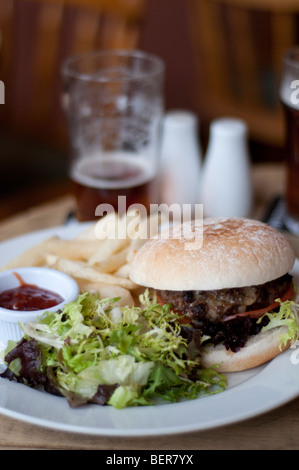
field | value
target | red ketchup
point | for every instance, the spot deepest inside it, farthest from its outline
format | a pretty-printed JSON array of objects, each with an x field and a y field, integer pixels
[{"x": 28, "y": 297}]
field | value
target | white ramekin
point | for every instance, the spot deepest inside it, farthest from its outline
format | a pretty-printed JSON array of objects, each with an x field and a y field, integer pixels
[{"x": 46, "y": 278}]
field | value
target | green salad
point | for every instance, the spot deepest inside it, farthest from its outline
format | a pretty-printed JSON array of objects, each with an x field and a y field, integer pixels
[{"x": 94, "y": 351}]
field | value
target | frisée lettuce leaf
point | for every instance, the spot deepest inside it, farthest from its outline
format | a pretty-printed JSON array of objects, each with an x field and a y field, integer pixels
[
  {"x": 94, "y": 351},
  {"x": 286, "y": 316}
]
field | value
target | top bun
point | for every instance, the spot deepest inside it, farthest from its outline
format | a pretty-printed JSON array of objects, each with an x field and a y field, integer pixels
[{"x": 233, "y": 252}]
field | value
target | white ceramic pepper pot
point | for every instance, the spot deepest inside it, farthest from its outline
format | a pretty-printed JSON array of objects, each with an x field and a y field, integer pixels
[
  {"x": 226, "y": 188},
  {"x": 181, "y": 158}
]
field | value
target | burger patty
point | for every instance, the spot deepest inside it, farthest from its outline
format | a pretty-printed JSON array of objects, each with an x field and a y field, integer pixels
[
  {"x": 233, "y": 334},
  {"x": 215, "y": 305}
]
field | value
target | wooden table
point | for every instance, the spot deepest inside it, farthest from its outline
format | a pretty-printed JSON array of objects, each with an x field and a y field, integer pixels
[{"x": 277, "y": 429}]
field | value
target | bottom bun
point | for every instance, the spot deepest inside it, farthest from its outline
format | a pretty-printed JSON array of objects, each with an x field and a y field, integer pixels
[{"x": 258, "y": 349}]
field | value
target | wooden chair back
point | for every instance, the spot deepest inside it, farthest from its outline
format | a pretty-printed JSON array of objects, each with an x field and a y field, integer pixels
[
  {"x": 238, "y": 49},
  {"x": 36, "y": 37}
]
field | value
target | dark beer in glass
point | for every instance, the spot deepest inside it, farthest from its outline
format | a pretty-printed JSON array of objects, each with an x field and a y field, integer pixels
[{"x": 289, "y": 96}]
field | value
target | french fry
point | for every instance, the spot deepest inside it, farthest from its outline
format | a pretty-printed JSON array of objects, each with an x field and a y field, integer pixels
[
  {"x": 114, "y": 226},
  {"x": 79, "y": 269},
  {"x": 123, "y": 271},
  {"x": 72, "y": 249},
  {"x": 107, "y": 291},
  {"x": 114, "y": 262},
  {"x": 135, "y": 245},
  {"x": 106, "y": 249},
  {"x": 34, "y": 256},
  {"x": 36, "y": 259},
  {"x": 148, "y": 228},
  {"x": 50, "y": 260},
  {"x": 121, "y": 238},
  {"x": 88, "y": 234},
  {"x": 106, "y": 226}
]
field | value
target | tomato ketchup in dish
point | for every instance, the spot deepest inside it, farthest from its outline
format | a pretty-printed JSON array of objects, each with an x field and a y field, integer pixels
[{"x": 28, "y": 297}]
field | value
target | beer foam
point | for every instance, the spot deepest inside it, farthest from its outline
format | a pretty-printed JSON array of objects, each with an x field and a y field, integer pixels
[{"x": 89, "y": 170}]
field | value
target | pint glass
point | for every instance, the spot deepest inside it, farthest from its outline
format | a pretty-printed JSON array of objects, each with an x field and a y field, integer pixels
[
  {"x": 113, "y": 102},
  {"x": 289, "y": 96}
]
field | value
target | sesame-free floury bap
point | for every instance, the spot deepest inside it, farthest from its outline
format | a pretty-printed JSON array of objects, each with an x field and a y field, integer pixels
[{"x": 225, "y": 289}]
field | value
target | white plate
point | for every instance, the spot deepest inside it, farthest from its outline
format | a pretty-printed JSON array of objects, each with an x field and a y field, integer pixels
[{"x": 249, "y": 393}]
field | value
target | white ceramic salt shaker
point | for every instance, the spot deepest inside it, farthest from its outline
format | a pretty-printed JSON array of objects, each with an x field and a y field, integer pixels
[
  {"x": 181, "y": 158},
  {"x": 226, "y": 188}
]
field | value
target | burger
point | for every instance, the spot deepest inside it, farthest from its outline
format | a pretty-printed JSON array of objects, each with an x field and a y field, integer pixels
[{"x": 230, "y": 287}]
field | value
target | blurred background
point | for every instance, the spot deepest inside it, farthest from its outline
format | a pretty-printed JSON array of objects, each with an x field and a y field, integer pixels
[{"x": 223, "y": 57}]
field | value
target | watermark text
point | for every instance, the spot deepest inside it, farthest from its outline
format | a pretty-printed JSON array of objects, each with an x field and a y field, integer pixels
[{"x": 173, "y": 221}]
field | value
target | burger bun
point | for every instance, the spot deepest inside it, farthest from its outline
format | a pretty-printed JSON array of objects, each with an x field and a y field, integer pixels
[
  {"x": 226, "y": 253},
  {"x": 258, "y": 349}
]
